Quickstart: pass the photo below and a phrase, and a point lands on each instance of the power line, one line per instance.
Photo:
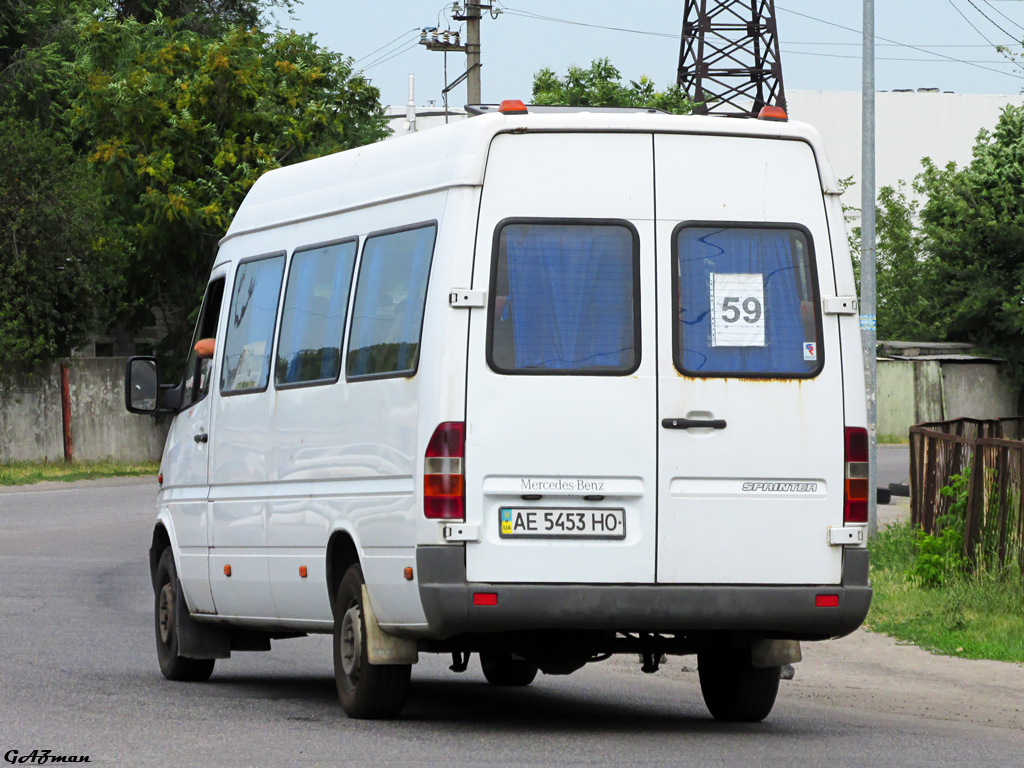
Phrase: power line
(885, 41)
(404, 34)
(971, 23)
(1008, 34)
(892, 58)
(891, 45)
(902, 45)
(539, 17)
(381, 60)
(989, 4)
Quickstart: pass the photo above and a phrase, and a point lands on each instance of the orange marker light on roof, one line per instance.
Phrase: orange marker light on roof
(512, 107)
(772, 113)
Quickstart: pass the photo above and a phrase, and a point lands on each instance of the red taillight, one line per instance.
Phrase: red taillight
(826, 601)
(444, 492)
(855, 496)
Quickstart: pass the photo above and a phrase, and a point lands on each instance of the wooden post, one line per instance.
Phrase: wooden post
(65, 402)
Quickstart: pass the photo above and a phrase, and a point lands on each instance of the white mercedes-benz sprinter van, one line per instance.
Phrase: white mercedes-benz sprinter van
(545, 385)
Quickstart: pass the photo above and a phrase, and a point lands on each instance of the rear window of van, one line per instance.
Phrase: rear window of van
(565, 298)
(746, 302)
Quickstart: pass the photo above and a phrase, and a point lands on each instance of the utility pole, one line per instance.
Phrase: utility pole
(867, 256)
(473, 64)
(449, 41)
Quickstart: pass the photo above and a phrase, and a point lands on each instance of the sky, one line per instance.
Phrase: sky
(954, 43)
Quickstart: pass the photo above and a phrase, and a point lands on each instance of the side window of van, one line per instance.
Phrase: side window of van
(746, 300)
(197, 369)
(565, 298)
(251, 318)
(313, 319)
(387, 316)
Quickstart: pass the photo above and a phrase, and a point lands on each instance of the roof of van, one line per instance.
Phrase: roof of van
(455, 155)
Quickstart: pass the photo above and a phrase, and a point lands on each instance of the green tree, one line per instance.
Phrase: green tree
(972, 237)
(951, 268)
(58, 259)
(37, 45)
(601, 86)
(182, 125)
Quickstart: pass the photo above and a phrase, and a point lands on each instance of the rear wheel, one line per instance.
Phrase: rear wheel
(367, 691)
(733, 689)
(173, 666)
(500, 668)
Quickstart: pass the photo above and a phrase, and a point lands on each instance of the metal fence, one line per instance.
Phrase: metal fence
(990, 454)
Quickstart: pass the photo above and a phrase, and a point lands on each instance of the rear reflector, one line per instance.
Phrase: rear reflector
(855, 494)
(444, 492)
(485, 598)
(826, 601)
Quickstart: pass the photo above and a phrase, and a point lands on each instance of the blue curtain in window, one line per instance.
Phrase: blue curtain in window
(768, 252)
(571, 295)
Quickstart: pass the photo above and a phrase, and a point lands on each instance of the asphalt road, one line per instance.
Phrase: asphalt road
(78, 676)
(893, 464)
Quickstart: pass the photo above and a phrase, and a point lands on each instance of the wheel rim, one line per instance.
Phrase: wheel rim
(165, 614)
(351, 642)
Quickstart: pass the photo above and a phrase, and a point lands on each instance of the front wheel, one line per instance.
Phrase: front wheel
(500, 668)
(733, 689)
(173, 666)
(367, 691)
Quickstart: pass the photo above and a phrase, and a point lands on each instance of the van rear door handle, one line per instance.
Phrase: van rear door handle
(693, 423)
(202, 437)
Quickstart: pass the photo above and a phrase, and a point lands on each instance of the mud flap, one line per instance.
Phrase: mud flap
(774, 653)
(382, 648)
(195, 640)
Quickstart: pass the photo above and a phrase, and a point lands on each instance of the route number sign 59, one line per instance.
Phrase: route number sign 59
(737, 306)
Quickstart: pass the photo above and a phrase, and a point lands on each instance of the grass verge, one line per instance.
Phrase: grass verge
(894, 439)
(28, 472)
(973, 616)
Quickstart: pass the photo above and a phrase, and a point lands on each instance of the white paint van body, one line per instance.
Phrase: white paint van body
(726, 525)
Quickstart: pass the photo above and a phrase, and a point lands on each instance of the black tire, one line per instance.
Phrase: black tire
(884, 496)
(733, 689)
(173, 666)
(366, 691)
(501, 669)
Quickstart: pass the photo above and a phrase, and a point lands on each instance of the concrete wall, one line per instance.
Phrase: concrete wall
(913, 391)
(977, 391)
(31, 427)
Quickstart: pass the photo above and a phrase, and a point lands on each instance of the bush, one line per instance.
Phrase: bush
(940, 557)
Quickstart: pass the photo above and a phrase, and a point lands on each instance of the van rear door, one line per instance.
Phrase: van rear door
(750, 398)
(561, 404)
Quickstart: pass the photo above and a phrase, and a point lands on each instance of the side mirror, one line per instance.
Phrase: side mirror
(141, 385)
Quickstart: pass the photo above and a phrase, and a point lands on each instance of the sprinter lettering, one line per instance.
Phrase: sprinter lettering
(776, 487)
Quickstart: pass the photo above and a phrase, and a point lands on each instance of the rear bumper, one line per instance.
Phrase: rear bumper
(779, 611)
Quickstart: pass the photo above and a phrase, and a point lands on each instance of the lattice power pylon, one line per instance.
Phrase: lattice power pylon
(729, 57)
